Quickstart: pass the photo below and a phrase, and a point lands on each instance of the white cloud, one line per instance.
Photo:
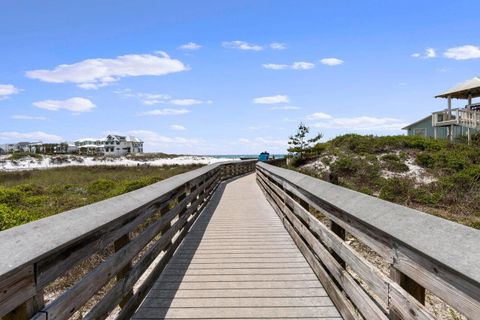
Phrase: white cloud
(190, 46)
(274, 66)
(32, 136)
(278, 46)
(355, 123)
(463, 53)
(7, 90)
(188, 102)
(145, 98)
(331, 61)
(25, 117)
(297, 65)
(165, 112)
(177, 127)
(428, 54)
(302, 65)
(158, 98)
(99, 72)
(75, 104)
(241, 45)
(319, 116)
(284, 108)
(272, 99)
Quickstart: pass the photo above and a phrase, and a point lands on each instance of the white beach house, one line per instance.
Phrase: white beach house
(116, 145)
(111, 145)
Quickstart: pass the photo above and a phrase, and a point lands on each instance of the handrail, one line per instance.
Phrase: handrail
(423, 251)
(139, 225)
(460, 116)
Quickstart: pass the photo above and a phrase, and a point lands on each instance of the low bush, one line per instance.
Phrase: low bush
(27, 196)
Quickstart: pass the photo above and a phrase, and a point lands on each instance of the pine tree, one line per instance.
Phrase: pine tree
(299, 143)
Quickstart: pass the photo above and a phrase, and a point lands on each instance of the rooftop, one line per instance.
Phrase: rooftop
(463, 90)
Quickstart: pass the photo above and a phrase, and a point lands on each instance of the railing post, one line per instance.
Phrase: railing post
(119, 244)
(410, 285)
(340, 232)
(27, 309)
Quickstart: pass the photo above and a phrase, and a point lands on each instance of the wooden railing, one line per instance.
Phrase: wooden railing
(463, 117)
(133, 232)
(422, 251)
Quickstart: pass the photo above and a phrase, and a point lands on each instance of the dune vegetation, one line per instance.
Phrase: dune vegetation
(434, 176)
(30, 195)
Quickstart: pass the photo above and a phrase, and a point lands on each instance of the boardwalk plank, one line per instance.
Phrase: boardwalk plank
(238, 262)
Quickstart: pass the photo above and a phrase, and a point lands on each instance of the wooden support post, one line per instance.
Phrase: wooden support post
(469, 137)
(339, 231)
(27, 309)
(435, 132)
(412, 287)
(119, 244)
(449, 114)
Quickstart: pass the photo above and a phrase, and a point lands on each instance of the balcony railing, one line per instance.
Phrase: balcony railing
(461, 117)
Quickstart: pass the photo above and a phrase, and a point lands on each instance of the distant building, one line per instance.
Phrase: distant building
(111, 145)
(90, 146)
(116, 145)
(452, 123)
(65, 147)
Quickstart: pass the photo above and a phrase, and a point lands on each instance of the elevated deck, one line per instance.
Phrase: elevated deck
(238, 261)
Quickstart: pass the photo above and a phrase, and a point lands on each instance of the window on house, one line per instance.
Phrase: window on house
(420, 132)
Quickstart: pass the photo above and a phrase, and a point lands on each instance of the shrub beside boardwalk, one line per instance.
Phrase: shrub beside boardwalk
(30, 195)
(434, 176)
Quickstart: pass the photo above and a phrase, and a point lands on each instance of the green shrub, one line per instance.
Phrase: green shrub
(390, 157)
(397, 190)
(423, 195)
(101, 186)
(345, 166)
(366, 190)
(451, 161)
(297, 162)
(425, 159)
(140, 183)
(10, 217)
(10, 196)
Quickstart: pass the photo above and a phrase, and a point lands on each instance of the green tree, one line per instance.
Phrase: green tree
(300, 144)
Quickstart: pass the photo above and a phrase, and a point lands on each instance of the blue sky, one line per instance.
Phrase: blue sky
(228, 77)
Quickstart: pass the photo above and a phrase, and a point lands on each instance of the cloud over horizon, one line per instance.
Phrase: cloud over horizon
(165, 112)
(100, 72)
(327, 121)
(272, 99)
(241, 45)
(190, 46)
(331, 61)
(465, 52)
(297, 65)
(15, 136)
(76, 104)
(7, 90)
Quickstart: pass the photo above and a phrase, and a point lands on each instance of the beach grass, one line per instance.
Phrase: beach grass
(30, 195)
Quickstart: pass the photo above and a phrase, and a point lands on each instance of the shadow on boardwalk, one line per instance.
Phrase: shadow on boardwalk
(166, 287)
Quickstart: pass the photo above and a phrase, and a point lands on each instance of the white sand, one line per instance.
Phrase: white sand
(47, 162)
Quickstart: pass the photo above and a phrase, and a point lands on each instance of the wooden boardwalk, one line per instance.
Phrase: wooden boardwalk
(238, 262)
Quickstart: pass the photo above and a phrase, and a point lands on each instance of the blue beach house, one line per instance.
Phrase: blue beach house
(452, 123)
